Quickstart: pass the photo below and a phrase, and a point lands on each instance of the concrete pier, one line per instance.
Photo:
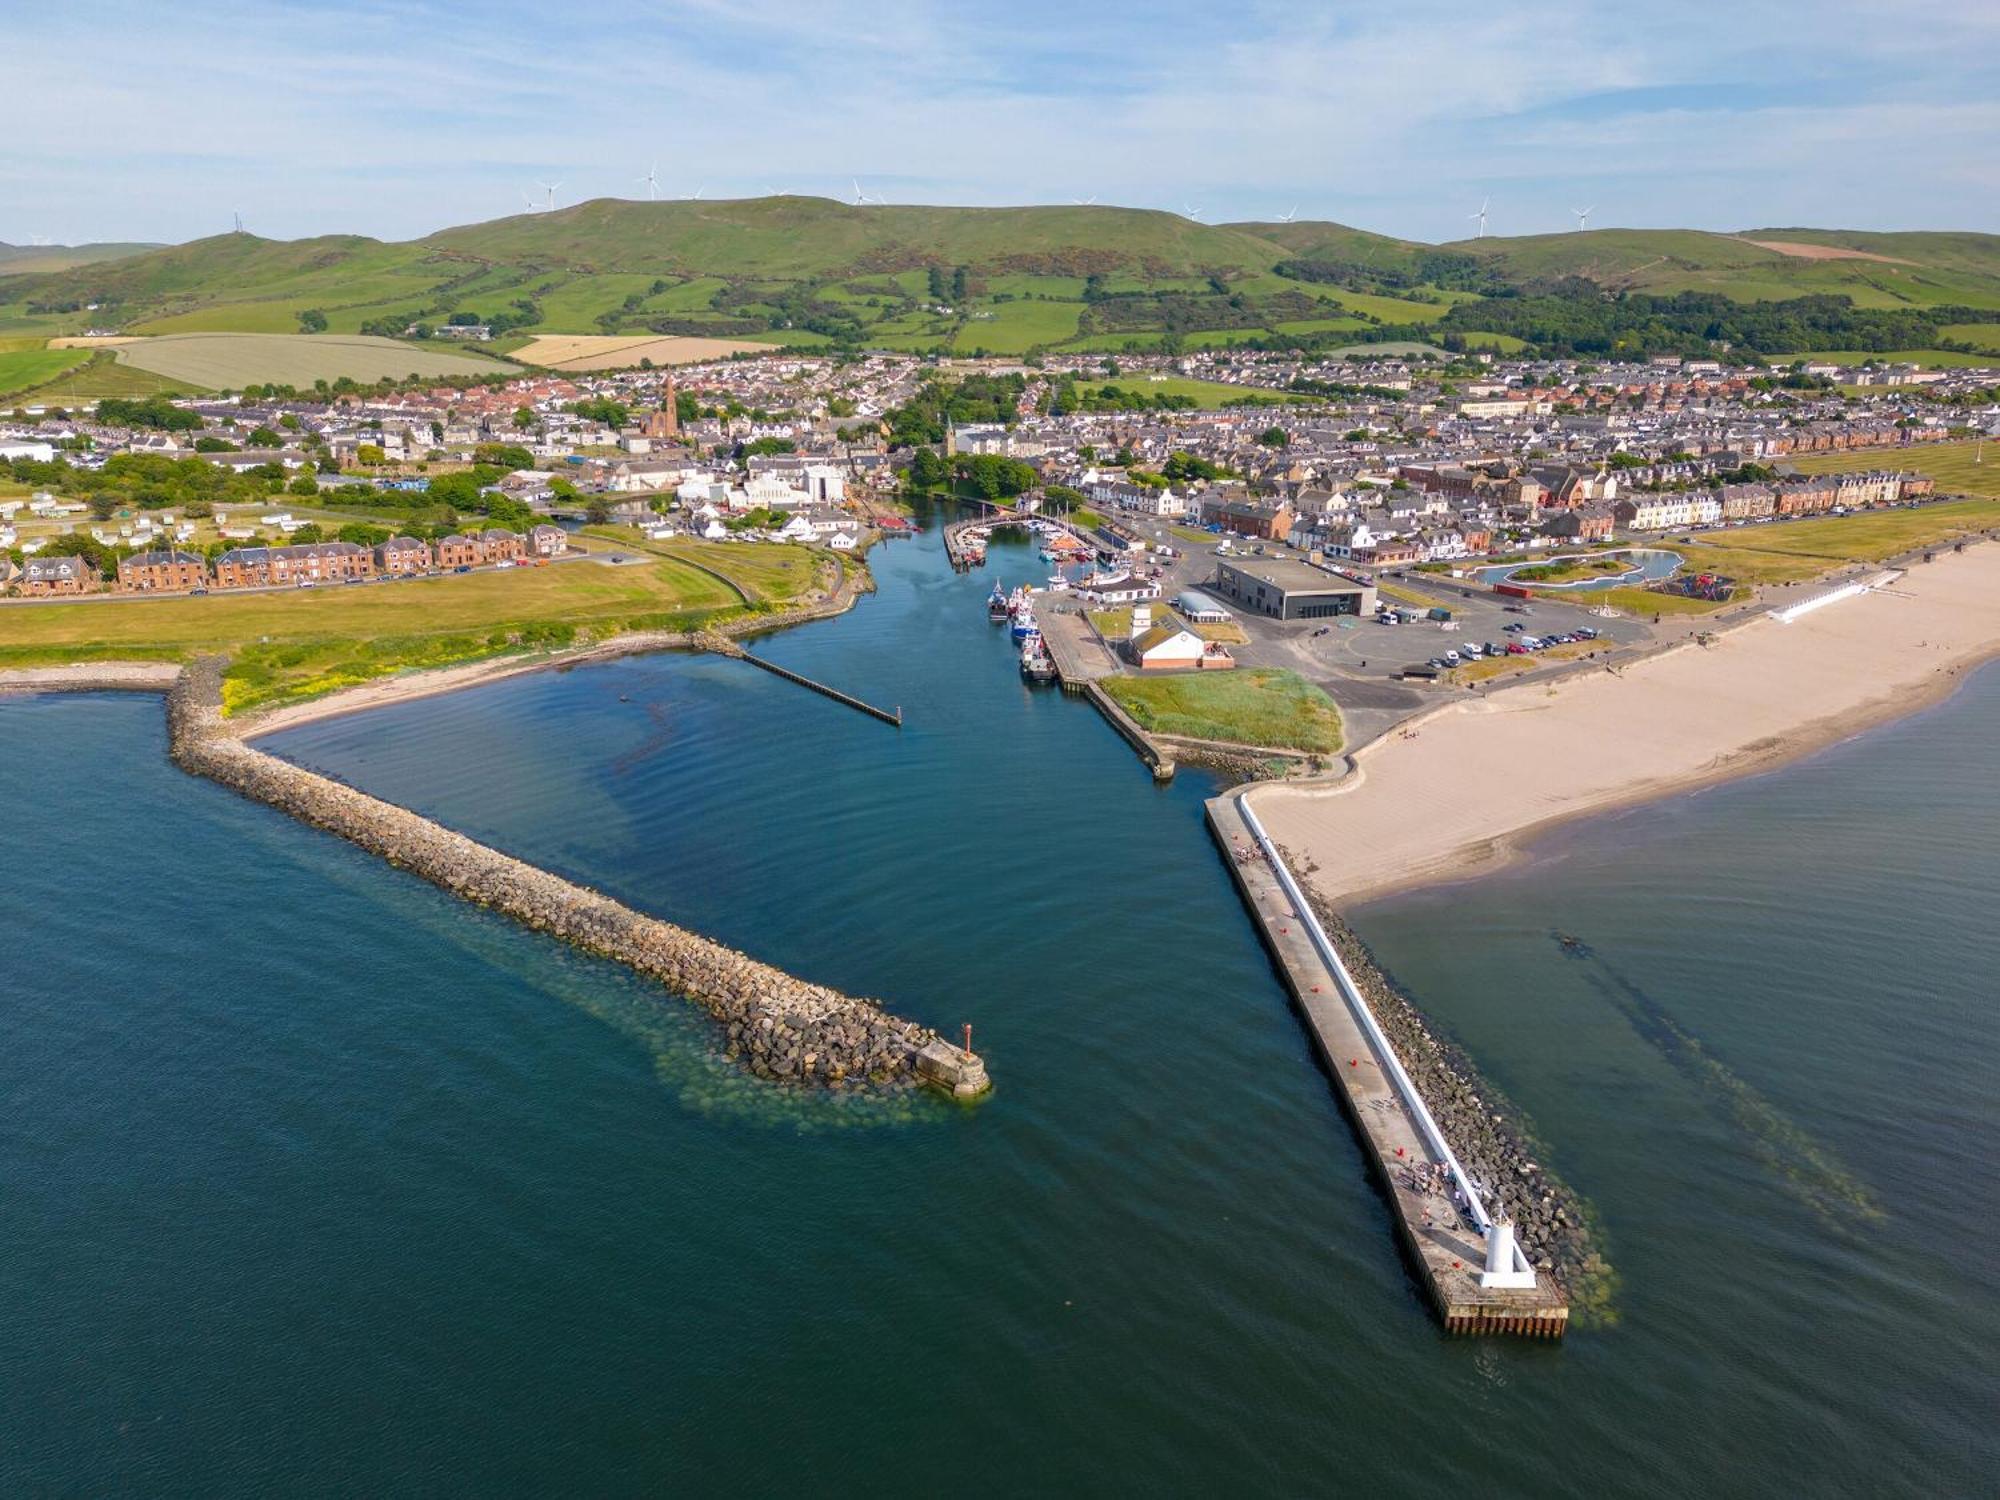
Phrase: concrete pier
(1449, 1248)
(722, 646)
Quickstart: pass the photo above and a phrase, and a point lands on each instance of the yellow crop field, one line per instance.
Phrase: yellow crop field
(597, 351)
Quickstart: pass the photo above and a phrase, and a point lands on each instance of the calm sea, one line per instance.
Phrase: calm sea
(316, 1181)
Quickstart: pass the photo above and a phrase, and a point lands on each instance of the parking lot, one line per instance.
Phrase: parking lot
(1360, 662)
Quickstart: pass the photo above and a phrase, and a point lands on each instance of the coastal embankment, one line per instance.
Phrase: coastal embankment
(1462, 788)
(855, 580)
(779, 1027)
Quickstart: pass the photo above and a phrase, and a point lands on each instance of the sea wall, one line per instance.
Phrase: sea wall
(1550, 1222)
(779, 1027)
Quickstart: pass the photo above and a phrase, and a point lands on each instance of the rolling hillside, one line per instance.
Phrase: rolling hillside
(31, 259)
(808, 271)
(1875, 270)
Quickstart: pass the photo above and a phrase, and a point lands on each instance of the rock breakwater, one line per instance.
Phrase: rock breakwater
(777, 1026)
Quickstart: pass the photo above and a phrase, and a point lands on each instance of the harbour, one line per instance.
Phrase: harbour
(489, 1171)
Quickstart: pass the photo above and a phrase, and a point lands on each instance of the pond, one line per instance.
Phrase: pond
(1646, 565)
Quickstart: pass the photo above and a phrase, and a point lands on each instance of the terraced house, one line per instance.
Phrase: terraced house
(169, 572)
(301, 564)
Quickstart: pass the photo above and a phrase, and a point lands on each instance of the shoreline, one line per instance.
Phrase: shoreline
(430, 682)
(1370, 831)
(433, 681)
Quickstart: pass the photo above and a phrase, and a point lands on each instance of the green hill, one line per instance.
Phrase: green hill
(1875, 270)
(29, 259)
(810, 271)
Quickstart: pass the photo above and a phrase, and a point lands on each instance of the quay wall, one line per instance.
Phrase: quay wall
(777, 1026)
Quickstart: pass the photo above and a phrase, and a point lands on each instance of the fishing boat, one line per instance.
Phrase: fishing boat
(996, 605)
(1025, 627)
(1036, 663)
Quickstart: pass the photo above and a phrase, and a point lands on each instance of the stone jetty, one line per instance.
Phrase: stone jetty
(777, 1026)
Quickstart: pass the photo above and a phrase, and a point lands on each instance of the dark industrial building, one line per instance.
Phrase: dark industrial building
(1289, 590)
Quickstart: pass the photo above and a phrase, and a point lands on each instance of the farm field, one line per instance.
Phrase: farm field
(584, 351)
(26, 363)
(304, 642)
(228, 361)
(1984, 335)
(1958, 468)
(1013, 327)
(1248, 706)
(101, 375)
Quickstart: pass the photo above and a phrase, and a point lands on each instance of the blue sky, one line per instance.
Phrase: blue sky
(155, 121)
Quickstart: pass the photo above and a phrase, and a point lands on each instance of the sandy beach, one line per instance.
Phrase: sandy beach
(1466, 786)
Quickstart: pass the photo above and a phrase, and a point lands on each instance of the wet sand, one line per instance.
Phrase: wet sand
(1466, 786)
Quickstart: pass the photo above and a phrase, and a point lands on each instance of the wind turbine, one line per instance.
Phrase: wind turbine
(652, 181)
(1084, 202)
(1190, 213)
(861, 197)
(239, 223)
(1484, 204)
(528, 198)
(1583, 217)
(697, 192)
(1290, 217)
(550, 188)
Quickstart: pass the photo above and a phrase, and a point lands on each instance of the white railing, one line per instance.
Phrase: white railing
(1427, 1125)
(1819, 601)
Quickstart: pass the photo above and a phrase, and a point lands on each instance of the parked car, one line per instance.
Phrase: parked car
(1515, 627)
(1515, 648)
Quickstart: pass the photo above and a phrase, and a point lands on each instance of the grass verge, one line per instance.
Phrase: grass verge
(1247, 706)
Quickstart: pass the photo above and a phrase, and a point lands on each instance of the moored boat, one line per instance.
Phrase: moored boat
(1036, 663)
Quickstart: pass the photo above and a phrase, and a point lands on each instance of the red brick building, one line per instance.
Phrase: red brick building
(402, 555)
(169, 572)
(57, 575)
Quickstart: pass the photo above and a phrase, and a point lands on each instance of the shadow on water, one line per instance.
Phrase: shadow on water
(1809, 1170)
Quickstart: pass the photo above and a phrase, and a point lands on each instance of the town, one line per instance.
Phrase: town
(1376, 464)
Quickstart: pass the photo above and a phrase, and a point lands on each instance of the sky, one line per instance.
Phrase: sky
(136, 120)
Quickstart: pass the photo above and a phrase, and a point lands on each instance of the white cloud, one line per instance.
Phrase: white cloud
(396, 118)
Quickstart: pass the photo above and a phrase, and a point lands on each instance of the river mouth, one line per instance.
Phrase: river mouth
(1649, 565)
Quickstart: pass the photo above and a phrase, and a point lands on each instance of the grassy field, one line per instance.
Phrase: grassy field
(27, 362)
(1982, 335)
(1013, 327)
(228, 361)
(1958, 468)
(1247, 706)
(1797, 551)
(305, 642)
(100, 375)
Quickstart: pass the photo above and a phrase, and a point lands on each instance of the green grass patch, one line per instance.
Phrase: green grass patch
(303, 642)
(1247, 706)
(101, 375)
(31, 364)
